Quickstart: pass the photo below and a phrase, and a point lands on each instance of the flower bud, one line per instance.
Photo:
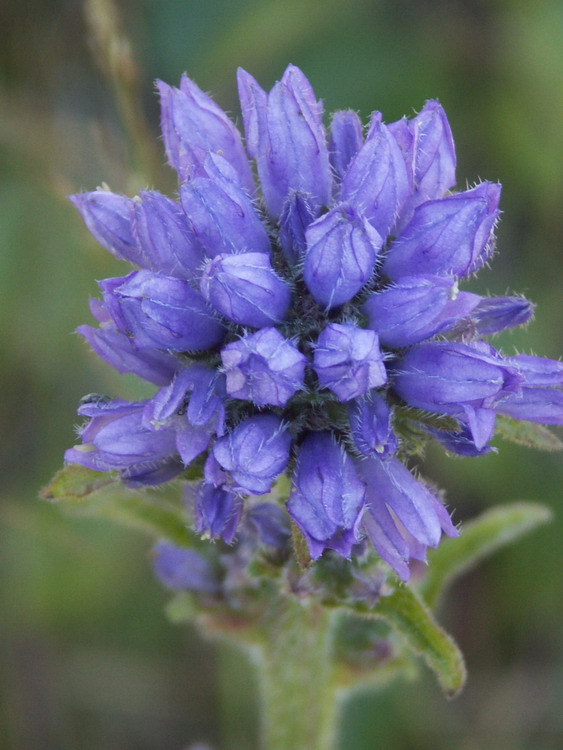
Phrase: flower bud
(295, 217)
(120, 352)
(494, 314)
(417, 308)
(451, 236)
(370, 426)
(116, 438)
(540, 405)
(108, 217)
(538, 371)
(285, 134)
(403, 517)
(428, 148)
(457, 379)
(193, 125)
(341, 251)
(541, 397)
(264, 368)
(245, 289)
(183, 569)
(327, 497)
(161, 231)
(220, 213)
(217, 513)
(348, 361)
(346, 139)
(161, 312)
(376, 182)
(255, 452)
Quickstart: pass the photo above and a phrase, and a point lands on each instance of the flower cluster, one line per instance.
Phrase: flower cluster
(307, 323)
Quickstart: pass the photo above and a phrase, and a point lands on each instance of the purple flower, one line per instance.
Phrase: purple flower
(403, 517)
(193, 125)
(370, 426)
(340, 256)
(108, 217)
(255, 452)
(295, 217)
(220, 213)
(376, 182)
(417, 308)
(327, 497)
(348, 361)
(263, 333)
(163, 235)
(496, 314)
(245, 289)
(346, 139)
(120, 352)
(450, 236)
(217, 512)
(184, 570)
(285, 134)
(428, 148)
(457, 379)
(263, 368)
(115, 438)
(541, 397)
(161, 312)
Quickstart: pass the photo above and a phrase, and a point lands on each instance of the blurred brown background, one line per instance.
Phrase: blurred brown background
(88, 659)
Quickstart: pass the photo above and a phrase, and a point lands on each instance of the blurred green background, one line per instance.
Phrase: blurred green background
(88, 660)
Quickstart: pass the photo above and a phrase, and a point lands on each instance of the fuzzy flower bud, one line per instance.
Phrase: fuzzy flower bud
(348, 361)
(370, 426)
(255, 452)
(108, 217)
(220, 213)
(450, 236)
(340, 257)
(193, 125)
(403, 517)
(285, 134)
(245, 289)
(217, 512)
(496, 314)
(296, 216)
(115, 438)
(264, 368)
(417, 308)
(162, 233)
(327, 498)
(376, 182)
(161, 312)
(457, 379)
(346, 139)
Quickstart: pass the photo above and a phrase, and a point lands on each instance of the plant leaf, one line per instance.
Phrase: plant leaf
(102, 494)
(75, 483)
(493, 530)
(528, 433)
(408, 615)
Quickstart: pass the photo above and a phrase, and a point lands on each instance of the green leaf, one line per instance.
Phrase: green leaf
(102, 494)
(527, 433)
(76, 483)
(145, 514)
(408, 615)
(480, 538)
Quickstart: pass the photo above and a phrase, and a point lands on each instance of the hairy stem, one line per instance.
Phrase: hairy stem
(297, 689)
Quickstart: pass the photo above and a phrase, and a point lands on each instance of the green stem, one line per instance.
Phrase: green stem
(296, 680)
